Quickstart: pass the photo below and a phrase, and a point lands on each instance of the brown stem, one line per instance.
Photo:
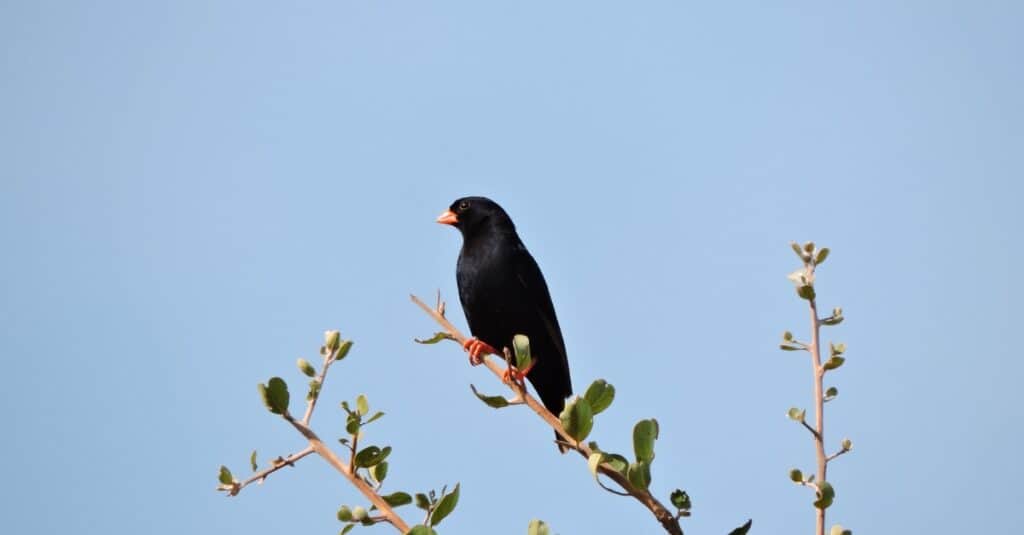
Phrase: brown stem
(386, 512)
(819, 401)
(328, 359)
(668, 521)
(262, 475)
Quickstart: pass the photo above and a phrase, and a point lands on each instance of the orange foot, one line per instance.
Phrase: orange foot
(512, 373)
(477, 349)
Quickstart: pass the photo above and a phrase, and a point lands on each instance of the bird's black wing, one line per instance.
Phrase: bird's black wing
(536, 294)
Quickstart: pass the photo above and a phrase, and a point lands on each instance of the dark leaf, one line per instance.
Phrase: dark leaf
(681, 500)
(372, 455)
(600, 395)
(225, 476)
(252, 461)
(496, 402)
(275, 395)
(826, 494)
(445, 506)
(343, 350)
(345, 514)
(577, 418)
(435, 339)
(397, 499)
(639, 474)
(644, 434)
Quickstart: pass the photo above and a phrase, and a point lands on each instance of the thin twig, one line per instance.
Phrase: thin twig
(836, 454)
(328, 359)
(814, 432)
(262, 475)
(819, 400)
(668, 521)
(387, 513)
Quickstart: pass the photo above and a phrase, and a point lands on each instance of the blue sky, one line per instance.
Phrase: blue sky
(191, 192)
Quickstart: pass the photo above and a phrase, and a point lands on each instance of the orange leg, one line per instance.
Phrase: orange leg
(513, 373)
(477, 349)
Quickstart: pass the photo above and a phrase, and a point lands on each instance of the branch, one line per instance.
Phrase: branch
(317, 445)
(260, 476)
(668, 521)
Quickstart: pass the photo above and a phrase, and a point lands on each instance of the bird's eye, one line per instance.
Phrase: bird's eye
(463, 205)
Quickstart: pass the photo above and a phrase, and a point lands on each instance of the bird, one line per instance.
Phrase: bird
(503, 293)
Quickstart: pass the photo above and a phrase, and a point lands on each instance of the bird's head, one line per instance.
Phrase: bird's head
(472, 214)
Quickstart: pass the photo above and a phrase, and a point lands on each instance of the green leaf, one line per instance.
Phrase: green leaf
(834, 362)
(742, 530)
(846, 444)
(826, 494)
(681, 500)
(796, 414)
(252, 461)
(796, 476)
(422, 501)
(831, 393)
(275, 395)
(639, 474)
(600, 395)
(809, 247)
(352, 424)
(445, 506)
(359, 513)
(379, 471)
(344, 514)
(538, 527)
(347, 529)
(617, 462)
(376, 416)
(821, 256)
(645, 432)
(372, 455)
(806, 292)
(421, 530)
(435, 339)
(839, 530)
(397, 499)
(786, 347)
(331, 339)
(521, 344)
(796, 249)
(225, 476)
(496, 402)
(305, 367)
(343, 350)
(577, 418)
(838, 349)
(362, 406)
(787, 336)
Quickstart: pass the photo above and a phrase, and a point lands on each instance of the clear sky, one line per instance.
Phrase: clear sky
(192, 192)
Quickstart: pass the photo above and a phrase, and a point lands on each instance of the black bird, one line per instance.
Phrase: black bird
(503, 293)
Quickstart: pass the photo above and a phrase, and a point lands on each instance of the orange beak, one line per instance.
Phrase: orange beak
(448, 218)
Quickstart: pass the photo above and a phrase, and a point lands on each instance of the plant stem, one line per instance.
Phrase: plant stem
(819, 403)
(328, 455)
(668, 521)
